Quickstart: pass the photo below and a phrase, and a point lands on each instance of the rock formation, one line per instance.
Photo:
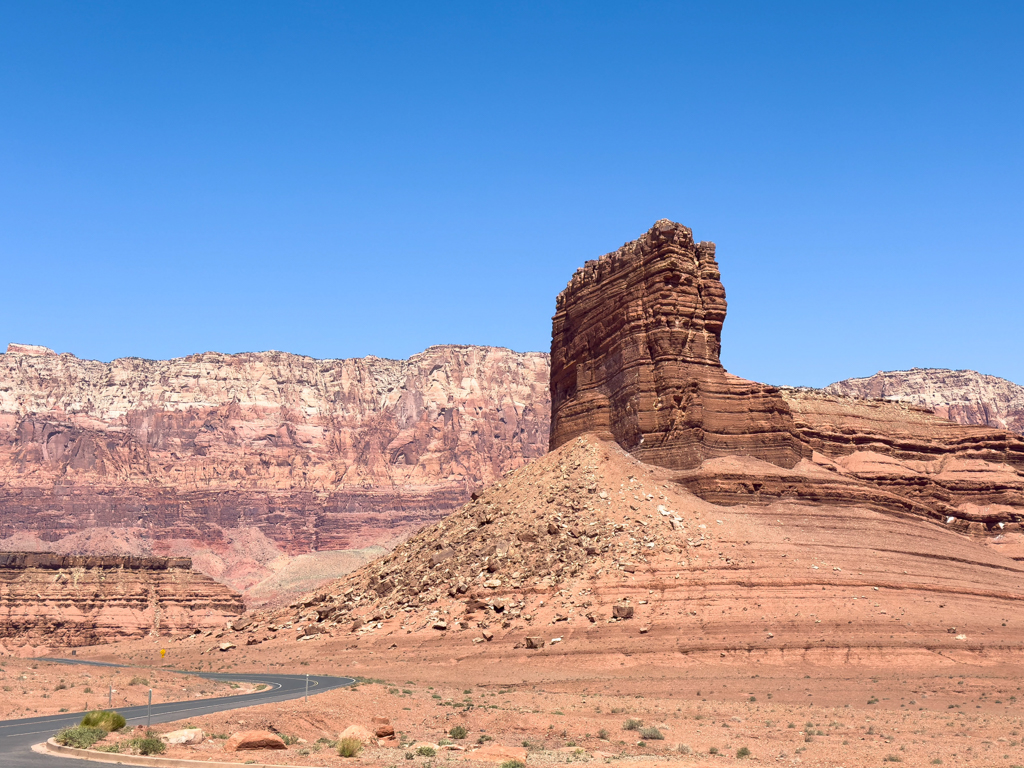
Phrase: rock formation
(966, 397)
(635, 347)
(306, 455)
(56, 600)
(635, 358)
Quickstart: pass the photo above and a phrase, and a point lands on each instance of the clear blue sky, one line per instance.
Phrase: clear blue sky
(341, 179)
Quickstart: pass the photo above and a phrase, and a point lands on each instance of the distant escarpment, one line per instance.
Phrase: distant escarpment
(56, 600)
(246, 460)
(966, 397)
(635, 358)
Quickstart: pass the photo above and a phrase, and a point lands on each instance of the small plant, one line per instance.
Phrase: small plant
(289, 740)
(60, 686)
(652, 734)
(426, 751)
(101, 718)
(458, 732)
(513, 764)
(743, 752)
(632, 725)
(937, 761)
(260, 686)
(138, 681)
(349, 747)
(409, 756)
(149, 744)
(87, 689)
(603, 734)
(712, 750)
(892, 759)
(484, 739)
(684, 749)
(80, 736)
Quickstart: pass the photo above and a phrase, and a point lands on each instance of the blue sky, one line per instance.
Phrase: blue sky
(372, 178)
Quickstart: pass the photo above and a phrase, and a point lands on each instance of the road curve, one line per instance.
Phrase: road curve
(18, 736)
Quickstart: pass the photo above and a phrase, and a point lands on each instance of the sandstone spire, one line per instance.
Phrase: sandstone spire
(635, 357)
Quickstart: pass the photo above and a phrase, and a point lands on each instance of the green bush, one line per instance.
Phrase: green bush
(632, 725)
(80, 736)
(101, 718)
(652, 733)
(149, 744)
(458, 732)
(289, 740)
(513, 764)
(349, 747)
(138, 681)
(425, 751)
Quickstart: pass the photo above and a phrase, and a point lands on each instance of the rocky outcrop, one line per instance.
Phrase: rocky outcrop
(60, 600)
(635, 348)
(635, 358)
(966, 397)
(313, 455)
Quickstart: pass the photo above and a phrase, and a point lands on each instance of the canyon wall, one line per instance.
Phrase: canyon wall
(56, 600)
(283, 453)
(966, 397)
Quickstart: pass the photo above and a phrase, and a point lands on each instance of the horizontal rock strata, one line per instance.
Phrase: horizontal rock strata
(635, 358)
(56, 600)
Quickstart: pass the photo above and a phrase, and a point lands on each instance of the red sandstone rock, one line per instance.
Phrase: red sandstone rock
(635, 357)
(253, 740)
(68, 600)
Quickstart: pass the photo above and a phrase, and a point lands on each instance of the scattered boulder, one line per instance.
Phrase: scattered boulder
(253, 740)
(622, 611)
(226, 646)
(183, 736)
(440, 557)
(357, 732)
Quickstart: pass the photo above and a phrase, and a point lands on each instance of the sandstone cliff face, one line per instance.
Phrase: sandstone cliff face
(66, 600)
(312, 454)
(966, 397)
(635, 358)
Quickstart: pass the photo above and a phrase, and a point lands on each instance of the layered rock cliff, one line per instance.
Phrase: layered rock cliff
(635, 358)
(635, 348)
(966, 397)
(60, 600)
(307, 455)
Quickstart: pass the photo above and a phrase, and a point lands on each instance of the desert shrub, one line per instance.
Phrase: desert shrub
(652, 733)
(101, 718)
(260, 686)
(484, 739)
(87, 689)
(349, 747)
(149, 744)
(685, 749)
(632, 725)
(713, 750)
(138, 681)
(603, 734)
(892, 759)
(289, 740)
(425, 751)
(80, 736)
(61, 686)
(743, 752)
(513, 764)
(114, 748)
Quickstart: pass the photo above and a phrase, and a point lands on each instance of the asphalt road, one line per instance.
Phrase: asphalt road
(18, 736)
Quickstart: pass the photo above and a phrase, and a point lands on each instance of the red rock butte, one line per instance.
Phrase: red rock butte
(635, 350)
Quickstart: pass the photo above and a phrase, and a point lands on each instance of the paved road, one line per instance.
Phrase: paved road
(18, 736)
